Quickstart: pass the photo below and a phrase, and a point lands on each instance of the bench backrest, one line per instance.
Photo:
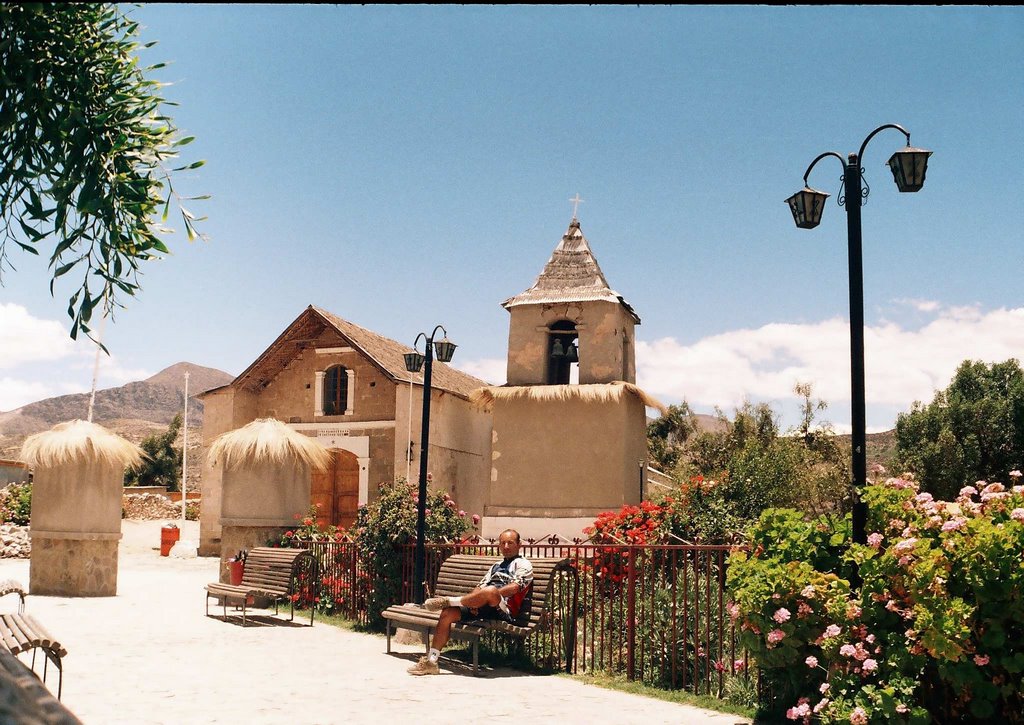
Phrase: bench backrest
(460, 573)
(272, 570)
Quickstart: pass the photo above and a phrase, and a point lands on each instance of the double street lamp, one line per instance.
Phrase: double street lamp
(908, 167)
(444, 349)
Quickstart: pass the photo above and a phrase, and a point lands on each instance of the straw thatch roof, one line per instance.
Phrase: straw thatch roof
(267, 439)
(316, 328)
(484, 398)
(571, 275)
(79, 440)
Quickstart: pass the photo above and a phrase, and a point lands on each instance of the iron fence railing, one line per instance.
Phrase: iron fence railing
(657, 614)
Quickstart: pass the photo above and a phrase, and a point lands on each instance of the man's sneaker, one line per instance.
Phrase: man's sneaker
(425, 667)
(436, 604)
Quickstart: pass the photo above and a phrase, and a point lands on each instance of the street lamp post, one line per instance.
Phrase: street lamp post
(414, 361)
(908, 167)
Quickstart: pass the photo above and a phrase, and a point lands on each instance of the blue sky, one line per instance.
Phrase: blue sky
(409, 166)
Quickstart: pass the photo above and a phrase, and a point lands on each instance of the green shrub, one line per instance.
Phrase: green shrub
(386, 525)
(936, 630)
(16, 504)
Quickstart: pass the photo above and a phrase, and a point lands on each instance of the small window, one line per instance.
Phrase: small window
(335, 390)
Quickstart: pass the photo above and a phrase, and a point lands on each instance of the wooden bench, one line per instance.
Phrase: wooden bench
(24, 699)
(277, 575)
(459, 574)
(20, 633)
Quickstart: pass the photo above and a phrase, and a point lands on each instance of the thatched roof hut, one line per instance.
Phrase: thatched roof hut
(484, 398)
(267, 440)
(79, 440)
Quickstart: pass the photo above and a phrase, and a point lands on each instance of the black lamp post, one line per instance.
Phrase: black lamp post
(908, 167)
(444, 350)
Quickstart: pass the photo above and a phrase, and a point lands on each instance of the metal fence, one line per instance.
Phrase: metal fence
(657, 614)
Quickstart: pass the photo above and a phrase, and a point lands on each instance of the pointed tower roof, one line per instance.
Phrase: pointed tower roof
(571, 275)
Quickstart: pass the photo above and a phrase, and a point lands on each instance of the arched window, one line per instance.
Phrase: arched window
(562, 352)
(335, 400)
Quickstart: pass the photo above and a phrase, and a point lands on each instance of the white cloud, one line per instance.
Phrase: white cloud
(28, 339)
(15, 393)
(901, 365)
(42, 361)
(491, 370)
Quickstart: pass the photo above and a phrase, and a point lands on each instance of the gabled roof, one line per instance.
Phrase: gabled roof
(385, 353)
(571, 275)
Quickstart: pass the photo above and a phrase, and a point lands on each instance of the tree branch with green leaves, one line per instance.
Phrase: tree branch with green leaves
(84, 151)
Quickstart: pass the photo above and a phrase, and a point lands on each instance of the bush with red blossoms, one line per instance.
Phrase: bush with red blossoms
(935, 632)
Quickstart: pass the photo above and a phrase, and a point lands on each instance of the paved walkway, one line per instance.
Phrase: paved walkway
(149, 655)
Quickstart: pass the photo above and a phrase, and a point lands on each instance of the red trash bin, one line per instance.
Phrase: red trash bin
(236, 568)
(168, 536)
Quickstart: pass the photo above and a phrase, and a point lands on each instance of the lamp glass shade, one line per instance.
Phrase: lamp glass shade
(572, 354)
(444, 350)
(413, 362)
(807, 206)
(908, 168)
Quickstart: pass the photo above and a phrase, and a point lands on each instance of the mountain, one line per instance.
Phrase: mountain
(134, 410)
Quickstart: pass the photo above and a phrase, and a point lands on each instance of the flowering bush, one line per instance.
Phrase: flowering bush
(309, 530)
(936, 630)
(389, 523)
(16, 504)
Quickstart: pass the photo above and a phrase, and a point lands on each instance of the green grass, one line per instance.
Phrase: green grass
(620, 683)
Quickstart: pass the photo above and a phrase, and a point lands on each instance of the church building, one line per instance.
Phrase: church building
(563, 440)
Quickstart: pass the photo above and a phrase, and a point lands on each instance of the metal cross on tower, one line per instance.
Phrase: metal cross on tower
(575, 204)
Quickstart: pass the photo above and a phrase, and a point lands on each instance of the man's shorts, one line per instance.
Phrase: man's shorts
(484, 612)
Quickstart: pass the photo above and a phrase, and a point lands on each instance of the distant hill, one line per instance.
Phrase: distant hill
(135, 410)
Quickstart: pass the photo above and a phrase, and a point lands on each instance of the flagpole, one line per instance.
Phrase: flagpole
(184, 456)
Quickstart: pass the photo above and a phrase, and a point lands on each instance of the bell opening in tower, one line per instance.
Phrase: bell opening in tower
(563, 353)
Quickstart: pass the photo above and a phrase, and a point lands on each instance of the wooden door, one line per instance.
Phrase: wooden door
(336, 490)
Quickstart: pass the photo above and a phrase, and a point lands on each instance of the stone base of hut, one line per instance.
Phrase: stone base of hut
(71, 567)
(235, 538)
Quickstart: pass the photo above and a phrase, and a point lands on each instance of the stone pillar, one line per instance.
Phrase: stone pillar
(76, 528)
(260, 501)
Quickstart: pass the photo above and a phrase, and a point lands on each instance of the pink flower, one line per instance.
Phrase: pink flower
(821, 705)
(968, 491)
(782, 615)
(853, 611)
(981, 660)
(831, 630)
(1015, 474)
(825, 687)
(901, 709)
(905, 546)
(803, 610)
(807, 591)
(775, 636)
(476, 518)
(994, 488)
(847, 650)
(954, 524)
(869, 665)
(1017, 515)
(811, 661)
(461, 512)
(859, 716)
(802, 710)
(875, 540)
(739, 665)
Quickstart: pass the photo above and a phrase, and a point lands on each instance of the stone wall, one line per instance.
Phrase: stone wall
(73, 567)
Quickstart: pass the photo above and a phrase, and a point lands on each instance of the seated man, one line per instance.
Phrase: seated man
(500, 595)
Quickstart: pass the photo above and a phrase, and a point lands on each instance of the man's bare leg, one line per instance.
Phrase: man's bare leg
(479, 597)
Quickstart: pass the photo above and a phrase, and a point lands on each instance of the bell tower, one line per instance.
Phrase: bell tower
(568, 433)
(570, 326)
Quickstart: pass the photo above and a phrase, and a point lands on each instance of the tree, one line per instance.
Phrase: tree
(973, 430)
(667, 436)
(753, 464)
(162, 464)
(83, 144)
